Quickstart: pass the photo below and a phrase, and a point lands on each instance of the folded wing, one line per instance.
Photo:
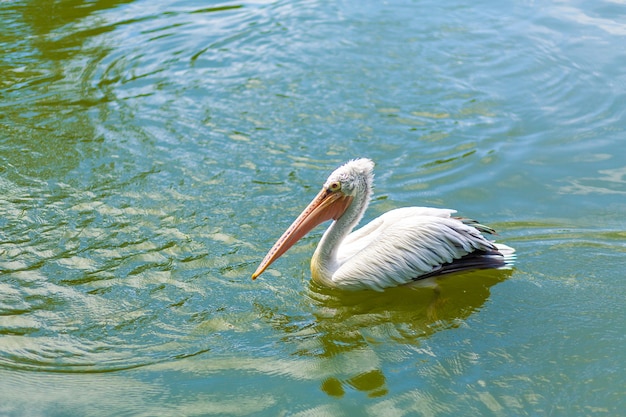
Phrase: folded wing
(413, 243)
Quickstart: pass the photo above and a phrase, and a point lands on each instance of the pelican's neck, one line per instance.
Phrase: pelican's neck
(324, 262)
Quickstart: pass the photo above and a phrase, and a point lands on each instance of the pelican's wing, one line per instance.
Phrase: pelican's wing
(404, 245)
(361, 238)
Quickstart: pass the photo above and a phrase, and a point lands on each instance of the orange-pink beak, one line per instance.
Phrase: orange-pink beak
(326, 206)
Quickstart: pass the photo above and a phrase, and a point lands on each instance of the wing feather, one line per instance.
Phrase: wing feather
(403, 245)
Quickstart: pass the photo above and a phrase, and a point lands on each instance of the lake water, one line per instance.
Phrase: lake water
(151, 152)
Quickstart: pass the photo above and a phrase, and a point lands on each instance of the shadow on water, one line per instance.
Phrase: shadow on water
(350, 329)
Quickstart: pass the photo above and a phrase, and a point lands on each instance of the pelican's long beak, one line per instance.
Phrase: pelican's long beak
(327, 205)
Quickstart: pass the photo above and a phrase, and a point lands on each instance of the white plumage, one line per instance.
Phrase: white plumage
(397, 248)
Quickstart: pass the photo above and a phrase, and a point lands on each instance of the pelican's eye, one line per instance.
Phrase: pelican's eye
(334, 186)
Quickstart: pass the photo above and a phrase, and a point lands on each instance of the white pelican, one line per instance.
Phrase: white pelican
(401, 246)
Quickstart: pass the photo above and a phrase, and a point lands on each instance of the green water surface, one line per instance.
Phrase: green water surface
(151, 152)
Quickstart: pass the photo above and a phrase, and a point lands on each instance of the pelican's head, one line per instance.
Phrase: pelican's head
(352, 178)
(349, 180)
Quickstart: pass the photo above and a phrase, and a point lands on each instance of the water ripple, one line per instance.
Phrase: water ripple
(90, 291)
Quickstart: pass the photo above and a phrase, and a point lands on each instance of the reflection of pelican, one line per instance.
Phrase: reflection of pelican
(399, 247)
(352, 335)
(357, 326)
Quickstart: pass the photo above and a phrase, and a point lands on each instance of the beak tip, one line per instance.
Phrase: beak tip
(256, 274)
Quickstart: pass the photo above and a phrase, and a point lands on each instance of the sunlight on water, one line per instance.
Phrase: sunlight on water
(152, 152)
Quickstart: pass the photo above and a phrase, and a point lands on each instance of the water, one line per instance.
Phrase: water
(151, 152)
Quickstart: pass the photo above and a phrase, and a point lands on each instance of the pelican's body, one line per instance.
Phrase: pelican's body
(397, 248)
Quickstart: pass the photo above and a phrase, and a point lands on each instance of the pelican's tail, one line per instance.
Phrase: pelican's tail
(508, 253)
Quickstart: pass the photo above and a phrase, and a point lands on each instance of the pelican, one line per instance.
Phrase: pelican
(400, 247)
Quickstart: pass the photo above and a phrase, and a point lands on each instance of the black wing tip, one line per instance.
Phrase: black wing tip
(477, 225)
(500, 257)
